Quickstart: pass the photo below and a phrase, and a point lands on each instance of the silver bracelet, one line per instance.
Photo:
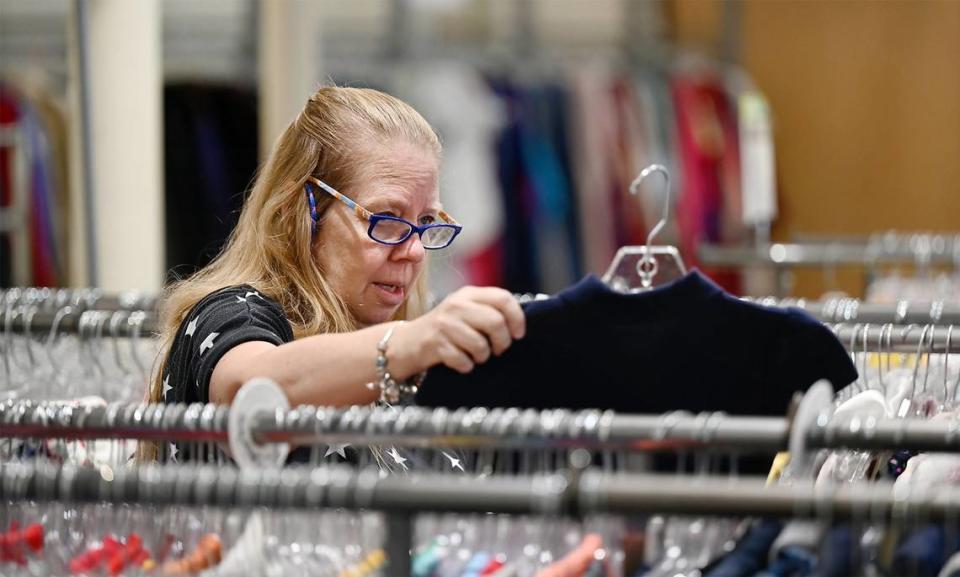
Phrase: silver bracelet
(391, 390)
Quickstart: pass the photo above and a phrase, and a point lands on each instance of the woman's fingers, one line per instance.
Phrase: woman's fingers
(491, 323)
(504, 302)
(455, 358)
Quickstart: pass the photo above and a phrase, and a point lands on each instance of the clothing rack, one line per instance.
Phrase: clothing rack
(838, 253)
(468, 428)
(82, 298)
(574, 494)
(132, 314)
(75, 320)
(851, 310)
(866, 337)
(856, 333)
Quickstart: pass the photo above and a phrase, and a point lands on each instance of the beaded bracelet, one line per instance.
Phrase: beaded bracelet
(392, 390)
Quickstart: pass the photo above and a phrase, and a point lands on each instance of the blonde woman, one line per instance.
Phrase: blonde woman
(325, 265)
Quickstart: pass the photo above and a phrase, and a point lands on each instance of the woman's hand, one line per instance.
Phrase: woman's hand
(461, 332)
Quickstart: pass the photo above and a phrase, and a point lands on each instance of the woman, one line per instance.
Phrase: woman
(325, 264)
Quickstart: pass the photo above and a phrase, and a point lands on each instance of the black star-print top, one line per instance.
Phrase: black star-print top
(216, 324)
(219, 322)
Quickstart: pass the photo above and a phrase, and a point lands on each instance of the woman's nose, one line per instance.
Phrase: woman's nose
(411, 249)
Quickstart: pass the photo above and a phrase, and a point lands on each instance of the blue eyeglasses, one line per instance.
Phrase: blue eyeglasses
(387, 229)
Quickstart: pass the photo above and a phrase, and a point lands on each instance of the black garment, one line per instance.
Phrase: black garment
(210, 158)
(684, 346)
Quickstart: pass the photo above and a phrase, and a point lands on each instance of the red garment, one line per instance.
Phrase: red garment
(483, 267)
(492, 567)
(707, 152)
(8, 116)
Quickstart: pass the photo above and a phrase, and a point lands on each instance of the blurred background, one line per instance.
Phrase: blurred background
(813, 146)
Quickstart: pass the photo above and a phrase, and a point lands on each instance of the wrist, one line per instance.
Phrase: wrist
(402, 354)
(393, 381)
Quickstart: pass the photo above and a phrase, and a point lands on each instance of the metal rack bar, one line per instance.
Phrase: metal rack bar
(901, 338)
(822, 255)
(550, 494)
(849, 310)
(82, 298)
(476, 428)
(75, 320)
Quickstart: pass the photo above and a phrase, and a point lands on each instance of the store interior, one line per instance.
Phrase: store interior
(793, 163)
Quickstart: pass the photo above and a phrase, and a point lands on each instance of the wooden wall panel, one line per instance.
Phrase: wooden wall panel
(866, 103)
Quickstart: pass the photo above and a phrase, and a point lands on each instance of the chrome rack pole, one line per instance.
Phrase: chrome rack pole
(795, 255)
(850, 310)
(906, 339)
(474, 428)
(595, 492)
(70, 320)
(47, 298)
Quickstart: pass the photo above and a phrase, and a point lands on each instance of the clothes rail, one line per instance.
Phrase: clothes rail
(77, 319)
(898, 338)
(82, 298)
(868, 337)
(71, 319)
(826, 254)
(572, 493)
(473, 428)
(852, 310)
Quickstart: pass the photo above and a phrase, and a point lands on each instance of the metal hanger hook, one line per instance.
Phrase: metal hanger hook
(634, 188)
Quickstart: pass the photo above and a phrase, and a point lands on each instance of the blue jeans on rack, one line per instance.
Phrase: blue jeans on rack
(750, 555)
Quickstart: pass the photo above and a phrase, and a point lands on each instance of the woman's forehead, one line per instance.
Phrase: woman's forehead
(398, 195)
(400, 184)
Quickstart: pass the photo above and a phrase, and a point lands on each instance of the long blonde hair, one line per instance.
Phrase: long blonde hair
(270, 248)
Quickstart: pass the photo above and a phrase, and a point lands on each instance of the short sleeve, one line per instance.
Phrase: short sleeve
(809, 351)
(219, 322)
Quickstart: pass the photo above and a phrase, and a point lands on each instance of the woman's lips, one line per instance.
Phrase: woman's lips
(391, 294)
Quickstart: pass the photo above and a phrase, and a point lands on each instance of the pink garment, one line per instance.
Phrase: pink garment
(593, 149)
(576, 562)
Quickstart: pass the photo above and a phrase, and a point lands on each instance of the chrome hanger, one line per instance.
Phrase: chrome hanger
(640, 275)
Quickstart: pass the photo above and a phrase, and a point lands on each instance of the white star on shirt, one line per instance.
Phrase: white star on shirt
(338, 449)
(208, 342)
(241, 299)
(166, 387)
(192, 327)
(173, 452)
(454, 462)
(248, 295)
(395, 455)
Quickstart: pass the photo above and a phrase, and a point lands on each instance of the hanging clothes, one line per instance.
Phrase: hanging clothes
(34, 140)
(708, 208)
(684, 346)
(457, 102)
(210, 157)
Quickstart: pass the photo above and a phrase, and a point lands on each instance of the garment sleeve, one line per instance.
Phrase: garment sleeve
(808, 352)
(218, 323)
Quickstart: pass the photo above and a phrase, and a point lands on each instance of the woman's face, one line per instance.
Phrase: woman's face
(374, 279)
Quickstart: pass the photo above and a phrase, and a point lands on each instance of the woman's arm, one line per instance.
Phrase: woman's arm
(333, 369)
